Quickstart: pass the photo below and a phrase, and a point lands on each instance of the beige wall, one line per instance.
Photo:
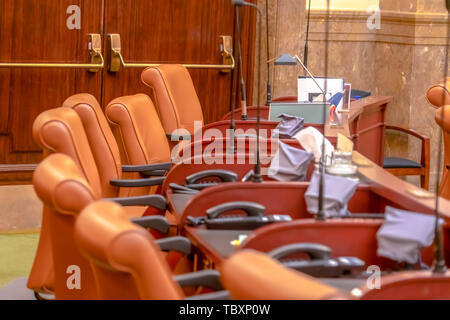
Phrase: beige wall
(402, 59)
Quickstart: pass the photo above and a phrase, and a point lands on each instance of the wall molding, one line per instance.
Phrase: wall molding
(404, 28)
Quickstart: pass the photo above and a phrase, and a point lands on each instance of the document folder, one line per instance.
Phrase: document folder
(312, 112)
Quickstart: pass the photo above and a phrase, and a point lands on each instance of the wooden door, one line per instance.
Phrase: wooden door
(177, 31)
(171, 31)
(38, 31)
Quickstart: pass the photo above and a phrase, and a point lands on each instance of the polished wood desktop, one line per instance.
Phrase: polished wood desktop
(215, 245)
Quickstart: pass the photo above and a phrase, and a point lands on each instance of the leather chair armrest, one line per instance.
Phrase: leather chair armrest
(178, 244)
(155, 200)
(158, 223)
(178, 137)
(205, 278)
(217, 295)
(135, 183)
(148, 169)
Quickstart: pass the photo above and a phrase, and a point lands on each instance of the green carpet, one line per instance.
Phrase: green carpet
(16, 255)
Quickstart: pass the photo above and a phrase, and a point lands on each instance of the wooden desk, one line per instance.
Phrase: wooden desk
(215, 245)
(388, 190)
(366, 120)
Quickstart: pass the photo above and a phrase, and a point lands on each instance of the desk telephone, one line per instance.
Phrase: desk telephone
(199, 181)
(320, 263)
(255, 217)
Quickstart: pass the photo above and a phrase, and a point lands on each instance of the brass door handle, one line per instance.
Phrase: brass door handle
(95, 50)
(116, 60)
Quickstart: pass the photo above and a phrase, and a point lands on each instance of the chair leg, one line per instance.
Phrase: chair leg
(425, 181)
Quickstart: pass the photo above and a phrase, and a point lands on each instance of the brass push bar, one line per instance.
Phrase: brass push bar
(95, 50)
(116, 60)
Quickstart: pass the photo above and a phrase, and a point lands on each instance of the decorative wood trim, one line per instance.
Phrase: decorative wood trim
(17, 167)
(407, 28)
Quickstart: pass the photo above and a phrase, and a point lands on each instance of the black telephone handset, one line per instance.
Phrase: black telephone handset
(194, 181)
(176, 188)
(252, 209)
(254, 218)
(313, 250)
(320, 264)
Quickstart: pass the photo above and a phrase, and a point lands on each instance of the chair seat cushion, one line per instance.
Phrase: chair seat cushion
(393, 163)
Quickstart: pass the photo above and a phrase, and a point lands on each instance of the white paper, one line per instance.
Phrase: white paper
(308, 89)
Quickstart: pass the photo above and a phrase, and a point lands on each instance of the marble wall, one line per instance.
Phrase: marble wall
(401, 59)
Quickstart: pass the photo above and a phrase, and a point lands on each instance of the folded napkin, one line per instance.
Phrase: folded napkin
(288, 126)
(337, 193)
(289, 163)
(311, 140)
(404, 234)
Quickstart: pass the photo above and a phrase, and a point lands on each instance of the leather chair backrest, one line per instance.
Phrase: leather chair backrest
(174, 95)
(127, 262)
(64, 192)
(138, 131)
(60, 130)
(439, 94)
(250, 275)
(442, 118)
(101, 139)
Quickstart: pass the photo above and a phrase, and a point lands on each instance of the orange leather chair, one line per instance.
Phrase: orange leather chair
(250, 275)
(127, 263)
(138, 130)
(175, 97)
(439, 97)
(61, 131)
(108, 157)
(439, 94)
(442, 118)
(60, 185)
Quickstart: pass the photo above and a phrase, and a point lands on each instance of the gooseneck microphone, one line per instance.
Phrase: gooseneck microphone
(241, 3)
(269, 86)
(256, 177)
(241, 67)
(305, 53)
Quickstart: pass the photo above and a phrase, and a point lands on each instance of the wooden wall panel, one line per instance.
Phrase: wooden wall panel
(36, 31)
(175, 31)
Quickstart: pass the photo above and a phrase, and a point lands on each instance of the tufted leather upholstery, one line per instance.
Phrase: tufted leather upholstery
(174, 95)
(138, 130)
(127, 263)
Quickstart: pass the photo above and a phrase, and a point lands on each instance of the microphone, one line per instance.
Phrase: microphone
(305, 53)
(269, 86)
(256, 177)
(241, 3)
(241, 68)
